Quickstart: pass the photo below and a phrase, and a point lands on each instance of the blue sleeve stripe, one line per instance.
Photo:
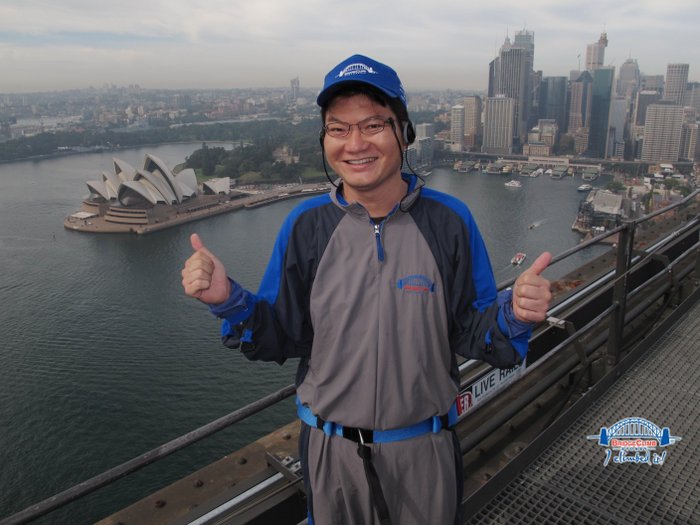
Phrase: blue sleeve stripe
(521, 341)
(270, 284)
(482, 274)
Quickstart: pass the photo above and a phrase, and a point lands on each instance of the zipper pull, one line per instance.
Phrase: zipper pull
(378, 238)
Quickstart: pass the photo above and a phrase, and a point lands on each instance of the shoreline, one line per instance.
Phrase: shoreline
(142, 222)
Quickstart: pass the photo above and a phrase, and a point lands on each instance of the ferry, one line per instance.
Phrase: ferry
(518, 259)
(513, 184)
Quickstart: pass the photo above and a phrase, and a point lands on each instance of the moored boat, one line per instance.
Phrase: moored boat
(518, 259)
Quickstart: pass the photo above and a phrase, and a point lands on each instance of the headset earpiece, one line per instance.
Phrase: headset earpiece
(321, 135)
(409, 134)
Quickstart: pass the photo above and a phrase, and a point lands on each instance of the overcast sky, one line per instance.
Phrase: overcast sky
(62, 44)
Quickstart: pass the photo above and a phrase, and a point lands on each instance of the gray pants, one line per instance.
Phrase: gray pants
(421, 479)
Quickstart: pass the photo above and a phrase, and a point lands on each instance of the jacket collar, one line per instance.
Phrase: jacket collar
(412, 193)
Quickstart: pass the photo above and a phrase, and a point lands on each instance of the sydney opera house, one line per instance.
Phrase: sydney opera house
(129, 198)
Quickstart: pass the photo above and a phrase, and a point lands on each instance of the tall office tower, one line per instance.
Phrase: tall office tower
(425, 130)
(692, 96)
(552, 103)
(294, 89)
(662, 132)
(498, 125)
(580, 102)
(689, 142)
(644, 99)
(628, 79)
(676, 82)
(507, 77)
(616, 128)
(595, 53)
(600, 110)
(526, 40)
(472, 121)
(457, 127)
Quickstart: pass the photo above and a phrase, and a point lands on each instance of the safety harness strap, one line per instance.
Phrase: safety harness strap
(364, 437)
(376, 494)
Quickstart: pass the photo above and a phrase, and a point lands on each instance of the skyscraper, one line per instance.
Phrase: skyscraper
(526, 40)
(552, 103)
(644, 99)
(580, 102)
(628, 80)
(662, 132)
(595, 53)
(616, 128)
(676, 82)
(507, 74)
(294, 89)
(457, 127)
(498, 125)
(600, 111)
(472, 121)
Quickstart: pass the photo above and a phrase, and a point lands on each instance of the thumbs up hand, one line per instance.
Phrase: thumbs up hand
(204, 276)
(531, 293)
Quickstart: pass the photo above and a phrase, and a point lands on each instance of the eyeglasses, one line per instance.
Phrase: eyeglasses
(368, 126)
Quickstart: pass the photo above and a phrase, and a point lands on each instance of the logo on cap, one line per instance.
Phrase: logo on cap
(356, 69)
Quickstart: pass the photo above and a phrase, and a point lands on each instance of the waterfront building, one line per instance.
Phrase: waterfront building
(507, 76)
(552, 104)
(580, 102)
(457, 127)
(676, 82)
(595, 53)
(153, 184)
(537, 149)
(662, 132)
(472, 122)
(600, 111)
(498, 125)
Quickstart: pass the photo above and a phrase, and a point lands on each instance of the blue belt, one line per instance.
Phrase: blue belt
(360, 435)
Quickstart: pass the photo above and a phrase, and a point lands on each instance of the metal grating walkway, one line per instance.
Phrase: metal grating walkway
(568, 482)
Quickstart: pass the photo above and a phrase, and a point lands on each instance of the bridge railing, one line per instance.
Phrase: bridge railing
(624, 266)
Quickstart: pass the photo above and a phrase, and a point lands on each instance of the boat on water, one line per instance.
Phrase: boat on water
(584, 187)
(537, 172)
(513, 184)
(518, 259)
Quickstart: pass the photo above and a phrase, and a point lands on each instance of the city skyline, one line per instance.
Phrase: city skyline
(219, 44)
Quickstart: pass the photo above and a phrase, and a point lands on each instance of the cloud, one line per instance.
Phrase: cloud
(218, 43)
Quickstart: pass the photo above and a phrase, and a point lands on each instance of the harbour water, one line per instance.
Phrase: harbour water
(102, 357)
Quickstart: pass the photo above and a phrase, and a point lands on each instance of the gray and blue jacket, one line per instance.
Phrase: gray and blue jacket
(377, 312)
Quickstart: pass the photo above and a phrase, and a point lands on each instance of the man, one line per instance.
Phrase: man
(375, 287)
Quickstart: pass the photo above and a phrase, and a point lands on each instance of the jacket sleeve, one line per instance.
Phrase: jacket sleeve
(480, 320)
(275, 323)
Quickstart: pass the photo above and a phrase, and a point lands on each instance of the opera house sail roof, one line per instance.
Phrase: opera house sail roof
(153, 184)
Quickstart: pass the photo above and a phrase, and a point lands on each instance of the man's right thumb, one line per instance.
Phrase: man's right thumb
(196, 242)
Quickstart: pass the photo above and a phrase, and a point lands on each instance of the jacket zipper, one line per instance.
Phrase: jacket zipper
(378, 238)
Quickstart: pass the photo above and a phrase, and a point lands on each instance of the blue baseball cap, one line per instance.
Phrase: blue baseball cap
(362, 69)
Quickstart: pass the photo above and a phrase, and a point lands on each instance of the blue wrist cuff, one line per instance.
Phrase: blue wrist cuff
(507, 321)
(235, 304)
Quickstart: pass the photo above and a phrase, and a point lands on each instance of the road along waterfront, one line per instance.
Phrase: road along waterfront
(102, 357)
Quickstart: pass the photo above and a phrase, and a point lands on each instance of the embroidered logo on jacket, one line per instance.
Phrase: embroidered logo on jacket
(416, 284)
